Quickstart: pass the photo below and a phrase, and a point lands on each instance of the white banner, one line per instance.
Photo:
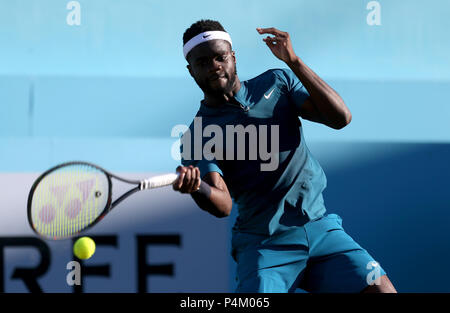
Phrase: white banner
(154, 241)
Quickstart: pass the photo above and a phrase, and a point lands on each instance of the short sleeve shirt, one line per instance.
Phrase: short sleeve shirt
(258, 147)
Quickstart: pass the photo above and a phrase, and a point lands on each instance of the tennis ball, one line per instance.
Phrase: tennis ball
(84, 248)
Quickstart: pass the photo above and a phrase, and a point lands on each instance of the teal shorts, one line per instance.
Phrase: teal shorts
(317, 257)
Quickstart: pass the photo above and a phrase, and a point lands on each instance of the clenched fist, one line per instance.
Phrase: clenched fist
(188, 180)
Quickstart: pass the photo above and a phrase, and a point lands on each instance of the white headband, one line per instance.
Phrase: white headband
(205, 36)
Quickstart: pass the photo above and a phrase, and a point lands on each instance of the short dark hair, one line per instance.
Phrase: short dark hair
(200, 27)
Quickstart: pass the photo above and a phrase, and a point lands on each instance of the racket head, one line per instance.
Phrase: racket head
(68, 199)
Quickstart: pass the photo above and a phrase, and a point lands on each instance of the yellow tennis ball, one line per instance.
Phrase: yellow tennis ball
(84, 248)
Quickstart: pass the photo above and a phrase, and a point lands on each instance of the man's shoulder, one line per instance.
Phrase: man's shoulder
(278, 74)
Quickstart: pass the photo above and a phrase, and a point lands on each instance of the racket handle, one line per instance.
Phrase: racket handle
(158, 181)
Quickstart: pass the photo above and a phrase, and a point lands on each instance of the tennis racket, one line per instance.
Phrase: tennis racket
(72, 197)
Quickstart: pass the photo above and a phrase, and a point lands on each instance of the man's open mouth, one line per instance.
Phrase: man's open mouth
(216, 77)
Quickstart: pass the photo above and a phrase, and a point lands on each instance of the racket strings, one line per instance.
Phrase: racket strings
(68, 200)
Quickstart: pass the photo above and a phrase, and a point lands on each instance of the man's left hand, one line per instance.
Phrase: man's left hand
(280, 44)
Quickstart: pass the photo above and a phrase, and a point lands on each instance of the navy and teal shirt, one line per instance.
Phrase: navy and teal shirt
(268, 202)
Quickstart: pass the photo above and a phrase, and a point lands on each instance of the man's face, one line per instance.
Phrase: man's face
(212, 64)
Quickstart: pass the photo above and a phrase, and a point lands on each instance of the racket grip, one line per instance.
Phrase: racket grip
(158, 181)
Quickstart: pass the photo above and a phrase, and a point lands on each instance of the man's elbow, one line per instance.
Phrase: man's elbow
(222, 215)
(226, 211)
(342, 122)
(221, 210)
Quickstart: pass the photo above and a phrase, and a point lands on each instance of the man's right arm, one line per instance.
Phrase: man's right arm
(211, 194)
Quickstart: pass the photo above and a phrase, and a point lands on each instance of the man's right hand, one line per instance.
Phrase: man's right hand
(189, 179)
(214, 196)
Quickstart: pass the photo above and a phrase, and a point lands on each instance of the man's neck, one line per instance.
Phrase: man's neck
(217, 101)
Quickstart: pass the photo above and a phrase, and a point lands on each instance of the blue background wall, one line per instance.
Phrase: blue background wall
(104, 91)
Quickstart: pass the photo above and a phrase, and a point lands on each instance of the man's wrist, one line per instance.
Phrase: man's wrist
(294, 62)
(203, 190)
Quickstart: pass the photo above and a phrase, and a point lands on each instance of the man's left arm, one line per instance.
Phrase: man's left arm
(324, 105)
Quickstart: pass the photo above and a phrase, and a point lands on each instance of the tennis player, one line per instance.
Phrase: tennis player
(282, 238)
